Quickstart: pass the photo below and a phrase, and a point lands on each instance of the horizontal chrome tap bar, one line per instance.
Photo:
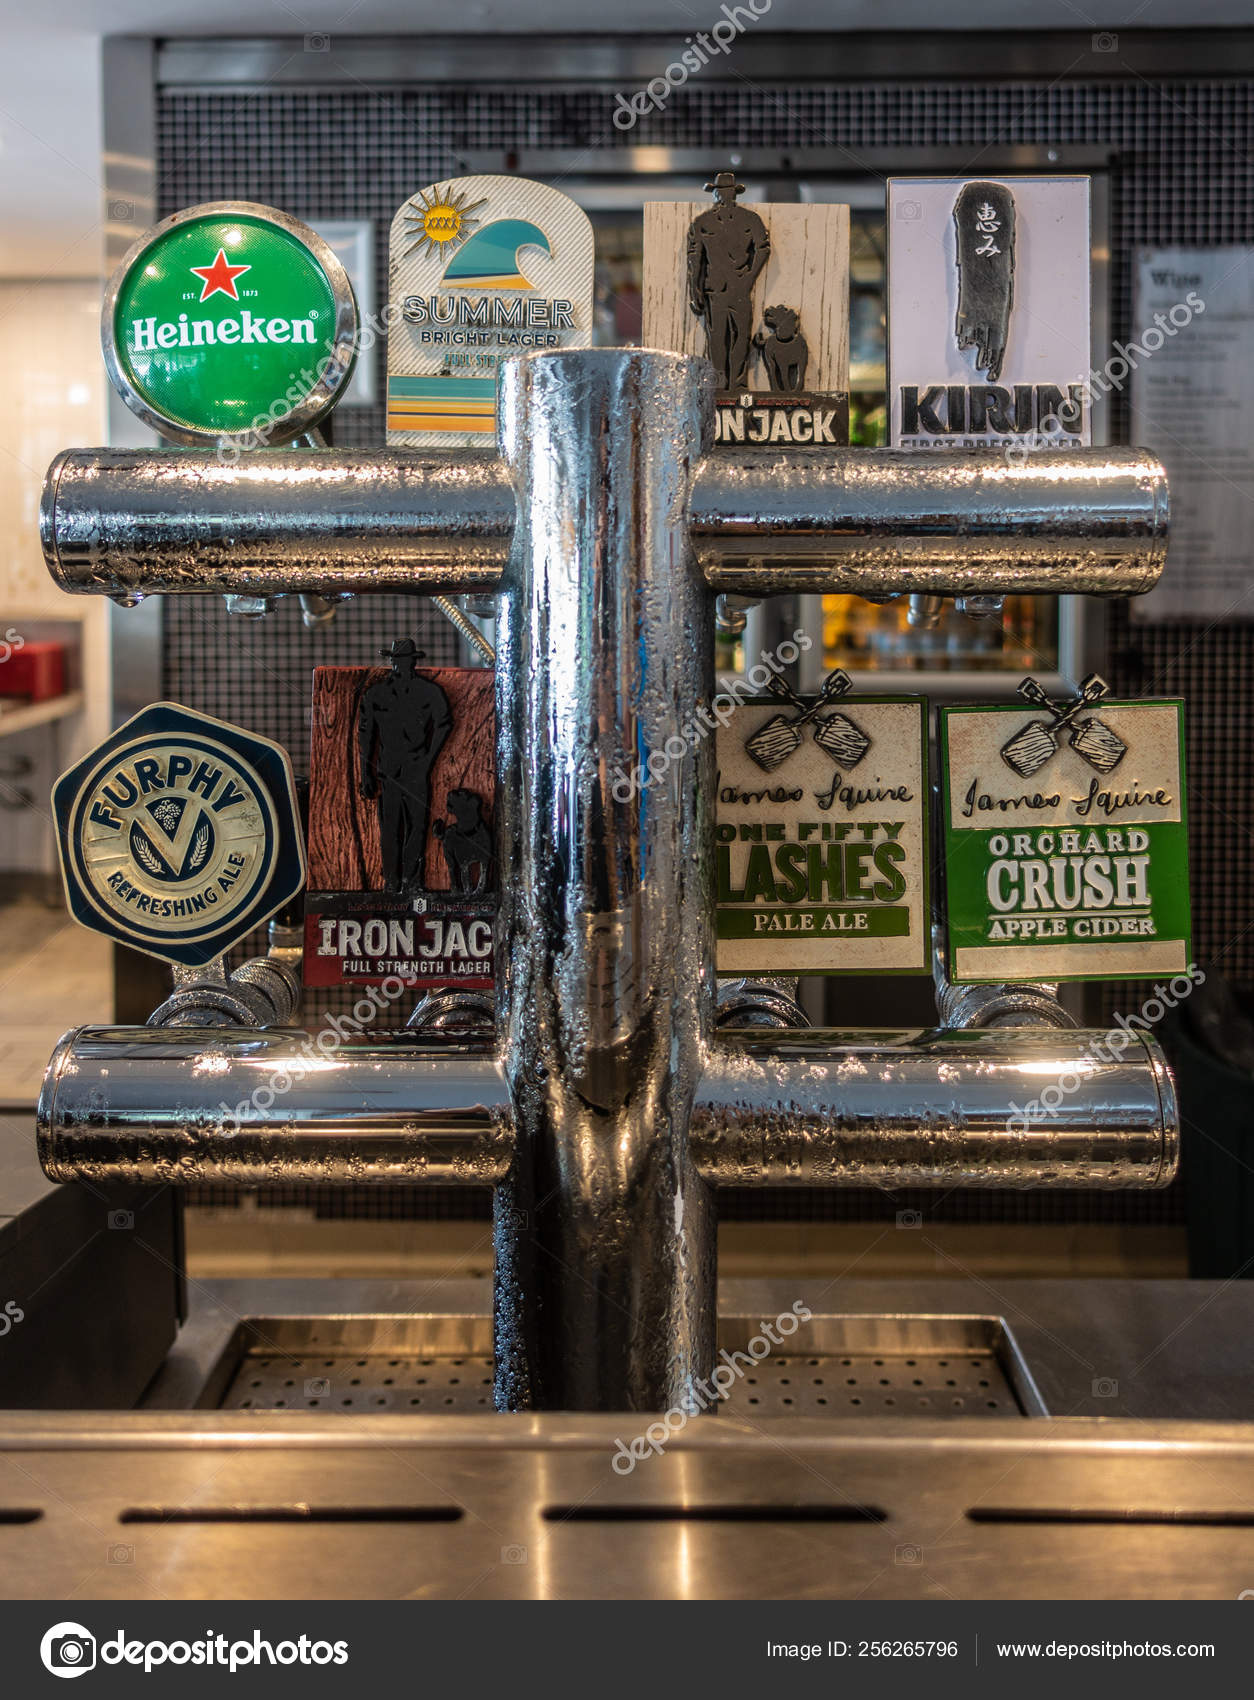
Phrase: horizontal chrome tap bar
(192, 1106)
(868, 522)
(1006, 1107)
(876, 523)
(139, 521)
(996, 1108)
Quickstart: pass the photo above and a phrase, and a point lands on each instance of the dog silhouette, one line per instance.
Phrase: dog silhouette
(466, 842)
(784, 352)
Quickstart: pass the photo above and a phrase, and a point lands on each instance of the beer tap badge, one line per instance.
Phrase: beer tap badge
(179, 834)
(402, 861)
(481, 268)
(230, 323)
(762, 291)
(988, 312)
(821, 832)
(1066, 845)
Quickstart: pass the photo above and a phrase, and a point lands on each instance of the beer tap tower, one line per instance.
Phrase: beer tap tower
(607, 1106)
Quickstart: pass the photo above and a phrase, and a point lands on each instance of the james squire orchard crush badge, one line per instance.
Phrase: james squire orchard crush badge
(820, 837)
(179, 834)
(402, 867)
(1066, 850)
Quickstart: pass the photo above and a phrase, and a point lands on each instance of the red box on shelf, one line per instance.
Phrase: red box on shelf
(32, 670)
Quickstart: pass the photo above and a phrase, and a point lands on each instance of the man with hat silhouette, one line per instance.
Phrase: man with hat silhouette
(727, 249)
(402, 724)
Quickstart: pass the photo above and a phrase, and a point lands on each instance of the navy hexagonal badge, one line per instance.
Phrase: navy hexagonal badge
(179, 834)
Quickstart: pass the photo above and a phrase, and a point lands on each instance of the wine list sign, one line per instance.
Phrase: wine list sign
(1066, 844)
(402, 871)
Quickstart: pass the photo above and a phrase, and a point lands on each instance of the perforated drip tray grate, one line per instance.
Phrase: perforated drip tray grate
(440, 1386)
(839, 1367)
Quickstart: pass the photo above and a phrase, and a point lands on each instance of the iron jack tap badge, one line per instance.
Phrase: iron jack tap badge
(402, 859)
(762, 292)
(179, 834)
(230, 320)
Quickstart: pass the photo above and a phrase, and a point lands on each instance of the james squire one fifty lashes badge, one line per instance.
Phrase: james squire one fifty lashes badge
(821, 833)
(1066, 843)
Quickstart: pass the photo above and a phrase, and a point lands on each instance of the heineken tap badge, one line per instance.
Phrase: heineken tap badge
(230, 324)
(762, 291)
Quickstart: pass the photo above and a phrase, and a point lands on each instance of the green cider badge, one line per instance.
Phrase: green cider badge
(230, 321)
(1066, 840)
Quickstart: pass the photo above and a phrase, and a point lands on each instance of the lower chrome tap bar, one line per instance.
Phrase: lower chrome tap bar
(1003, 1107)
(191, 1106)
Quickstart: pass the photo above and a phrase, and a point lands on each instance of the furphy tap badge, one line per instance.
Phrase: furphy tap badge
(179, 834)
(230, 323)
(821, 834)
(402, 863)
(1066, 847)
(482, 268)
(988, 312)
(762, 291)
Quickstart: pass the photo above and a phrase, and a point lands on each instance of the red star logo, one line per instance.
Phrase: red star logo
(221, 275)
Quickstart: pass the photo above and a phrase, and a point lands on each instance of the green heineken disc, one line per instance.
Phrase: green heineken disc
(230, 321)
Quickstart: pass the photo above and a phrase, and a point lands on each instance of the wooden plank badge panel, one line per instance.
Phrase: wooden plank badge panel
(402, 879)
(1066, 845)
(780, 347)
(821, 838)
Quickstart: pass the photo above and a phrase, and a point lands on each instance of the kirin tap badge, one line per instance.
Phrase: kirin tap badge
(988, 312)
(762, 292)
(481, 268)
(402, 868)
(179, 834)
(821, 834)
(1066, 846)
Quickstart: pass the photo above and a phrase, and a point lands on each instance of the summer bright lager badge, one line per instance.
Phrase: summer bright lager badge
(821, 835)
(179, 834)
(762, 291)
(482, 268)
(230, 322)
(1066, 848)
(402, 863)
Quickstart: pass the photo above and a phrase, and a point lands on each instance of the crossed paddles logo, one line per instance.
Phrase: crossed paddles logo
(1039, 741)
(782, 736)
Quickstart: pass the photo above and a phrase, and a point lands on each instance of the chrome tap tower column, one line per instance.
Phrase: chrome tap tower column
(610, 1109)
(605, 1235)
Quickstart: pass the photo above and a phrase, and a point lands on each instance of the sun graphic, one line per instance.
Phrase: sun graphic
(440, 220)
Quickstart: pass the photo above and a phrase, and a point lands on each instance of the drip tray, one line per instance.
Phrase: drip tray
(832, 1367)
